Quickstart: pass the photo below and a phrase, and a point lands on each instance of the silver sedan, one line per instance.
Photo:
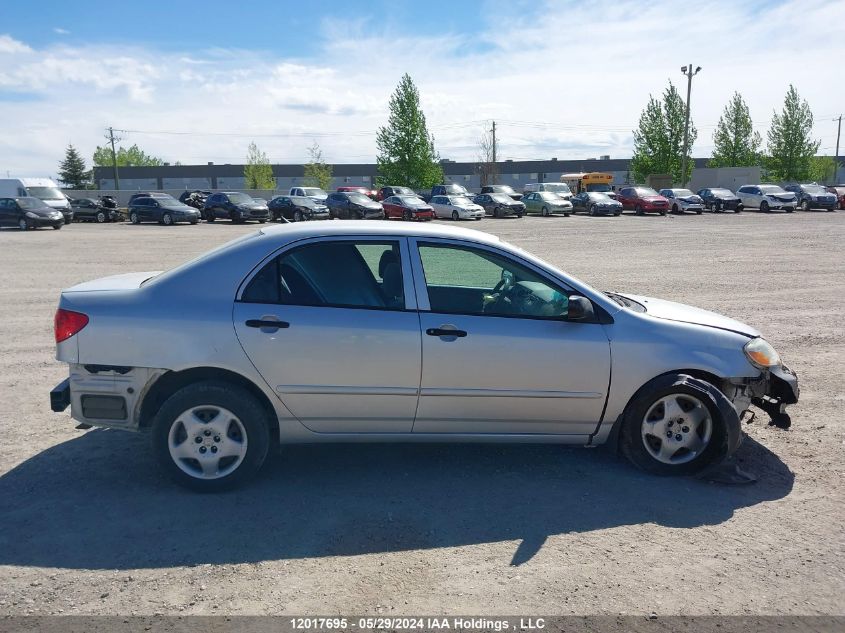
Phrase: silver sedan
(378, 332)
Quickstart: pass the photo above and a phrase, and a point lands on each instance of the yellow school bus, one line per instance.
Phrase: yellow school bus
(594, 181)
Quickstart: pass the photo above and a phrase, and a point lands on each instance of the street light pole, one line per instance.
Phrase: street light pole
(690, 73)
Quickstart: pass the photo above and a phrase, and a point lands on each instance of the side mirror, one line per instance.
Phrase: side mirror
(579, 309)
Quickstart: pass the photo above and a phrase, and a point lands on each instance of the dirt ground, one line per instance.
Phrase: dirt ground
(88, 526)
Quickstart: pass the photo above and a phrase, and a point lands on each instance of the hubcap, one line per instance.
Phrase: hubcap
(207, 442)
(677, 429)
(22, 225)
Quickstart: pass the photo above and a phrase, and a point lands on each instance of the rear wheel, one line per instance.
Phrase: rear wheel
(456, 216)
(133, 218)
(673, 430)
(211, 436)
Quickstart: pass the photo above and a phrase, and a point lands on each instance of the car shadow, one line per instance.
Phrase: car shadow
(98, 502)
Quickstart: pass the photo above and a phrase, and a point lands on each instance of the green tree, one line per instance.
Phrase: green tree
(258, 173)
(72, 172)
(406, 154)
(316, 172)
(736, 144)
(126, 157)
(659, 138)
(822, 169)
(791, 148)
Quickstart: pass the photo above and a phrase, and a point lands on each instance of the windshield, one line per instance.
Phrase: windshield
(502, 189)
(171, 204)
(771, 189)
(45, 193)
(549, 195)
(303, 202)
(646, 191)
(500, 197)
(239, 198)
(814, 189)
(721, 192)
(460, 201)
(412, 200)
(600, 197)
(455, 189)
(599, 186)
(313, 191)
(359, 198)
(31, 203)
(557, 188)
(683, 192)
(405, 191)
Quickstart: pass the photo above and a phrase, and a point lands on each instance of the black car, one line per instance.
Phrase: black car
(505, 189)
(297, 209)
(718, 200)
(394, 190)
(813, 196)
(90, 210)
(499, 205)
(150, 194)
(195, 198)
(235, 206)
(162, 210)
(29, 213)
(595, 203)
(350, 205)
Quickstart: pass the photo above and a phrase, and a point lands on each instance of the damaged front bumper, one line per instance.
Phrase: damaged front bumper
(772, 391)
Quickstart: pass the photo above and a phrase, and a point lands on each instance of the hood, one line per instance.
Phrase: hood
(691, 199)
(654, 199)
(253, 206)
(126, 281)
(57, 204)
(672, 311)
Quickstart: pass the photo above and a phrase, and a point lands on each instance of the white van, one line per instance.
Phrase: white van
(42, 188)
(560, 188)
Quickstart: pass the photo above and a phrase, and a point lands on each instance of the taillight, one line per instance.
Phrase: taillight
(68, 323)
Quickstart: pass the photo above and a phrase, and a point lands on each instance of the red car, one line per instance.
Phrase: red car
(407, 208)
(839, 192)
(643, 200)
(351, 189)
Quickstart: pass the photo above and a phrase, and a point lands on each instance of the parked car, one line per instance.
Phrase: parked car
(839, 192)
(407, 208)
(766, 198)
(45, 189)
(363, 190)
(235, 206)
(158, 195)
(315, 193)
(352, 206)
(596, 203)
(299, 333)
(683, 200)
(546, 203)
(642, 200)
(456, 207)
(28, 212)
(195, 199)
(91, 210)
(560, 188)
(718, 199)
(392, 190)
(499, 205)
(161, 210)
(813, 196)
(505, 189)
(297, 209)
(452, 189)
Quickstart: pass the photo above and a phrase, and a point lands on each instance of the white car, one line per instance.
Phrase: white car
(767, 198)
(456, 207)
(683, 200)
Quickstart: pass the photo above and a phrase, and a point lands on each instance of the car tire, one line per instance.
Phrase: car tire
(662, 212)
(193, 222)
(805, 206)
(406, 215)
(593, 211)
(167, 219)
(23, 224)
(133, 218)
(739, 208)
(100, 217)
(496, 213)
(262, 221)
(544, 212)
(699, 211)
(717, 208)
(188, 432)
(638, 210)
(456, 216)
(674, 208)
(653, 436)
(764, 207)
(56, 227)
(297, 216)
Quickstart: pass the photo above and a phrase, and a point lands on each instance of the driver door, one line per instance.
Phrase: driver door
(498, 359)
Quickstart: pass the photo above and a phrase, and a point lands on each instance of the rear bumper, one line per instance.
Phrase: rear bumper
(60, 396)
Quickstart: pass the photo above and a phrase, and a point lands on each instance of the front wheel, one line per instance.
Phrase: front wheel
(406, 215)
(496, 212)
(101, 217)
(544, 212)
(805, 206)
(739, 208)
(593, 211)
(209, 216)
(56, 227)
(167, 219)
(674, 208)
(673, 430)
(23, 224)
(297, 216)
(638, 210)
(211, 436)
(764, 207)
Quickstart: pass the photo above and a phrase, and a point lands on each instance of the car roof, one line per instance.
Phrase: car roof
(302, 230)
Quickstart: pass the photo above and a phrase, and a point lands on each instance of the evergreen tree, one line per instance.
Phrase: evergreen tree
(736, 144)
(791, 149)
(72, 172)
(406, 154)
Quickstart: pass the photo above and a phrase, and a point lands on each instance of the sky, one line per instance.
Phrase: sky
(195, 82)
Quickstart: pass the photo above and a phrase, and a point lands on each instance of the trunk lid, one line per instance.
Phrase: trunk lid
(126, 281)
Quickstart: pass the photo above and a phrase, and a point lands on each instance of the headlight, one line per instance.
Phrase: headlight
(32, 215)
(761, 353)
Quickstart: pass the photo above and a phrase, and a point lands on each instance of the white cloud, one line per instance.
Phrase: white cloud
(60, 31)
(570, 83)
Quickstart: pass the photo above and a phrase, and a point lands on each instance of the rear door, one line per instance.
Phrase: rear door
(497, 356)
(330, 325)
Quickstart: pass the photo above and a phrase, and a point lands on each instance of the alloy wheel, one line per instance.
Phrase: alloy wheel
(676, 429)
(207, 442)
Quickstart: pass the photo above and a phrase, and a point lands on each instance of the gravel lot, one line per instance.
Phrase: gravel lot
(88, 526)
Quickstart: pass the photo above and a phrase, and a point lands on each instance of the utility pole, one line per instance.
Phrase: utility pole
(493, 167)
(836, 157)
(114, 159)
(690, 73)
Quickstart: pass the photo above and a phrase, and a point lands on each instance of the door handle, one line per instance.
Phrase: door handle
(267, 323)
(436, 331)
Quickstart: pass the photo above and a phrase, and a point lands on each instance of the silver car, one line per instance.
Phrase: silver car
(683, 200)
(382, 332)
(456, 207)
